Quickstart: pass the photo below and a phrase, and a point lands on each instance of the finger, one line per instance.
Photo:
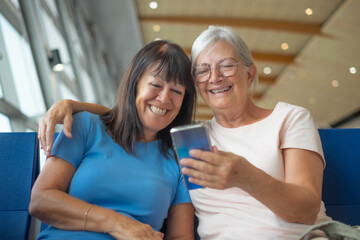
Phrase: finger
(204, 183)
(67, 125)
(205, 156)
(50, 131)
(214, 149)
(39, 134)
(160, 234)
(194, 163)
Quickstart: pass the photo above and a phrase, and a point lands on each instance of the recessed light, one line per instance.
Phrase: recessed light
(156, 28)
(335, 83)
(352, 70)
(284, 46)
(267, 70)
(309, 11)
(153, 5)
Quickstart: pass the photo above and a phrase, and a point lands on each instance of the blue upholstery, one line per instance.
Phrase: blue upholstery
(19, 167)
(341, 186)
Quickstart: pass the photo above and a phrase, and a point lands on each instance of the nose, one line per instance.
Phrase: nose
(215, 76)
(164, 96)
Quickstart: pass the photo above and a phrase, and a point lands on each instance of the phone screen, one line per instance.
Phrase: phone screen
(189, 137)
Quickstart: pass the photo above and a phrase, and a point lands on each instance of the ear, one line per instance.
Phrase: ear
(251, 74)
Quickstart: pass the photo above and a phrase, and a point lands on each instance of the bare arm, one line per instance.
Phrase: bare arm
(300, 192)
(51, 204)
(180, 222)
(61, 112)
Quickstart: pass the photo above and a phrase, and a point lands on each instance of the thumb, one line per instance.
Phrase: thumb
(214, 149)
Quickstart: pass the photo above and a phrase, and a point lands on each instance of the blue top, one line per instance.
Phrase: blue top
(142, 187)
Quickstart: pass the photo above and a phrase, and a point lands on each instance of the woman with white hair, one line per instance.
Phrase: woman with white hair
(263, 179)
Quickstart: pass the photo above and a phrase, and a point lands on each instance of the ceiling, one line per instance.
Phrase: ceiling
(313, 72)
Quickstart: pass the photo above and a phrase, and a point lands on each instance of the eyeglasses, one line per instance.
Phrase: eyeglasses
(226, 67)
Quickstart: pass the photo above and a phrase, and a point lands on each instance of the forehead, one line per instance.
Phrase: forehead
(153, 73)
(215, 52)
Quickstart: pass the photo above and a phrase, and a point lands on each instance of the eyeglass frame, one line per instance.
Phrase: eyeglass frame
(216, 67)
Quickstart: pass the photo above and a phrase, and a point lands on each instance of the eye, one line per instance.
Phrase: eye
(155, 85)
(201, 71)
(177, 91)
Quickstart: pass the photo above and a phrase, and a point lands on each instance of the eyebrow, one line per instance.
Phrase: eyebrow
(221, 60)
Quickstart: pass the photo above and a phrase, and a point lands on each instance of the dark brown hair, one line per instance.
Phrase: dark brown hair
(122, 122)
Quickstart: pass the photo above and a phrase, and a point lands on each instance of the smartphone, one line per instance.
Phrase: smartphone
(187, 137)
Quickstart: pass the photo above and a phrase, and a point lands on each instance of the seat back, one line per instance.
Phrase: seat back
(341, 185)
(19, 167)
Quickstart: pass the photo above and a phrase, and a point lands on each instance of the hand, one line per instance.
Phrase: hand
(217, 169)
(134, 230)
(60, 112)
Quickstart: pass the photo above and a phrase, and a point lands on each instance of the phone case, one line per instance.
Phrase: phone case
(185, 138)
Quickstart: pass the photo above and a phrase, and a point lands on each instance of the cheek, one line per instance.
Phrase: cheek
(178, 102)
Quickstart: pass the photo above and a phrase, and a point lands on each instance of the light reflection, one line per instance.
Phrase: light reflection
(267, 70)
(153, 5)
(284, 46)
(156, 28)
(352, 70)
(309, 11)
(335, 83)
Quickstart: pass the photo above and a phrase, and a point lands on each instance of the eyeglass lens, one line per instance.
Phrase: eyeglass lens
(226, 68)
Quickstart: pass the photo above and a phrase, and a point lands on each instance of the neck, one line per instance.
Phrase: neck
(147, 137)
(240, 115)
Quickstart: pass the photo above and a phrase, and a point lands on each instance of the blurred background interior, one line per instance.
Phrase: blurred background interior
(307, 52)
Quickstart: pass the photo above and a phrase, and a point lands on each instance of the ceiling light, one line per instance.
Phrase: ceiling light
(157, 39)
(352, 70)
(284, 46)
(156, 28)
(267, 70)
(312, 100)
(335, 83)
(309, 11)
(153, 5)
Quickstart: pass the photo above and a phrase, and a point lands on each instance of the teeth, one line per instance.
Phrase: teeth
(158, 111)
(220, 90)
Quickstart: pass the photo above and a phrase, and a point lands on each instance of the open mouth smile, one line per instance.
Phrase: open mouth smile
(215, 91)
(158, 111)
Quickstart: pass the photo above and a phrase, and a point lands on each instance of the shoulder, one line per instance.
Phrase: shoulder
(86, 117)
(86, 120)
(287, 107)
(288, 110)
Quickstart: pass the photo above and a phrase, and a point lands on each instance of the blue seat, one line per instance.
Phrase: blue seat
(19, 167)
(341, 185)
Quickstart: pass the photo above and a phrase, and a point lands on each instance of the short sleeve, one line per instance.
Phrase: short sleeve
(182, 194)
(299, 131)
(73, 149)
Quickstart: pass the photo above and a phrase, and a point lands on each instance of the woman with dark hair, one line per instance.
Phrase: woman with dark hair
(116, 177)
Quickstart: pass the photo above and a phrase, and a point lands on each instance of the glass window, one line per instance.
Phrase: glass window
(4, 123)
(56, 41)
(1, 91)
(65, 92)
(87, 86)
(52, 6)
(23, 71)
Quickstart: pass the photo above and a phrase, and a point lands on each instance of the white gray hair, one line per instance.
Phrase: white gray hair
(222, 33)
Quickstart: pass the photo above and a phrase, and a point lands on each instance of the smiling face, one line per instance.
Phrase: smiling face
(157, 102)
(219, 92)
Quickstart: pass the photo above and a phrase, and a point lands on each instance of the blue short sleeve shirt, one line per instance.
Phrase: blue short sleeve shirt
(142, 186)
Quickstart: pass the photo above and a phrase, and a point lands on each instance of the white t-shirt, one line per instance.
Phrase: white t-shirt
(233, 213)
